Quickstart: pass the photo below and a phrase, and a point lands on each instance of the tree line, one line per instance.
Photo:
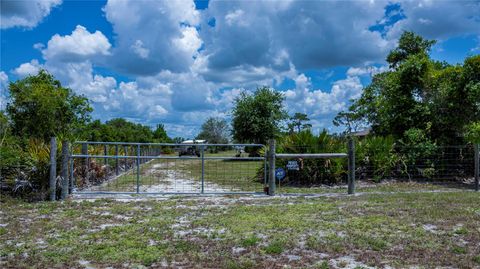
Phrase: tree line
(418, 101)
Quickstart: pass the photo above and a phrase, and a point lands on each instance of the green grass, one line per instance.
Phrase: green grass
(250, 241)
(373, 229)
(235, 175)
(275, 247)
(392, 187)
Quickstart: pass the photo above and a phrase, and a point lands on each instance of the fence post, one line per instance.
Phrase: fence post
(72, 175)
(271, 167)
(85, 160)
(116, 160)
(53, 169)
(125, 152)
(64, 172)
(105, 152)
(138, 168)
(351, 166)
(477, 167)
(203, 168)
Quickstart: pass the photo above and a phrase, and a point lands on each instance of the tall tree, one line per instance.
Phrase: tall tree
(160, 134)
(418, 93)
(298, 121)
(40, 107)
(257, 117)
(352, 120)
(215, 131)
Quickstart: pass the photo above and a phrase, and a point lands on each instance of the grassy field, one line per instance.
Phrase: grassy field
(431, 229)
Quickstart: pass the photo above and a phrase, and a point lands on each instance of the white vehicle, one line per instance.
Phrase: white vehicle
(188, 148)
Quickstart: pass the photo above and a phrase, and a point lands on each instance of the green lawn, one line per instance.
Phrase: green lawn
(434, 229)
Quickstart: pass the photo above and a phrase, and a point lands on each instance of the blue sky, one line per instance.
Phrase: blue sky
(180, 62)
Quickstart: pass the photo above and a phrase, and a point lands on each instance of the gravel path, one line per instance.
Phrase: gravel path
(172, 180)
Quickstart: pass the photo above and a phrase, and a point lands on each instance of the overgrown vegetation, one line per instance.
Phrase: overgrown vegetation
(418, 93)
(39, 107)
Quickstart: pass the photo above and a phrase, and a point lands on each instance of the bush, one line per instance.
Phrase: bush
(416, 154)
(313, 171)
(472, 133)
(376, 157)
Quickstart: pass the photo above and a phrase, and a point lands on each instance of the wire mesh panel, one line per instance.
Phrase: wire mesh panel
(434, 163)
(375, 163)
(170, 176)
(326, 168)
(168, 168)
(234, 168)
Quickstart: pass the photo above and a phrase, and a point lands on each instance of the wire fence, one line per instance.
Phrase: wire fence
(440, 163)
(448, 164)
(180, 168)
(168, 168)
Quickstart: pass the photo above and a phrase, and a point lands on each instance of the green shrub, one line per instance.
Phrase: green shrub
(472, 133)
(313, 171)
(376, 157)
(417, 150)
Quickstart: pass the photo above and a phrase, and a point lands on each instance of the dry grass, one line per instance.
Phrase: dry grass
(399, 230)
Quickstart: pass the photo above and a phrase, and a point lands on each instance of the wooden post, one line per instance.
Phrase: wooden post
(72, 175)
(271, 167)
(116, 160)
(53, 169)
(64, 172)
(477, 167)
(85, 160)
(105, 153)
(351, 166)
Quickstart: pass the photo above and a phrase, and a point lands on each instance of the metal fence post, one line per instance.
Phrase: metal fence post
(477, 167)
(271, 167)
(53, 169)
(138, 168)
(125, 153)
(85, 162)
(116, 160)
(105, 152)
(203, 168)
(351, 166)
(64, 172)
(72, 175)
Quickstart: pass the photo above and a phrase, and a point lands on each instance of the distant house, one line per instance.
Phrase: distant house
(362, 133)
(194, 141)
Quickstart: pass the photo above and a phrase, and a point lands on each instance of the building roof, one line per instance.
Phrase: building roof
(194, 141)
(361, 133)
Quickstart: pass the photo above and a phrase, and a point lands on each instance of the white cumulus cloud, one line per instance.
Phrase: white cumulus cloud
(23, 13)
(81, 44)
(322, 105)
(26, 69)
(167, 29)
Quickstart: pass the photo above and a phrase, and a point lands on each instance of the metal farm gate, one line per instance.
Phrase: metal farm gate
(195, 168)
(165, 168)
